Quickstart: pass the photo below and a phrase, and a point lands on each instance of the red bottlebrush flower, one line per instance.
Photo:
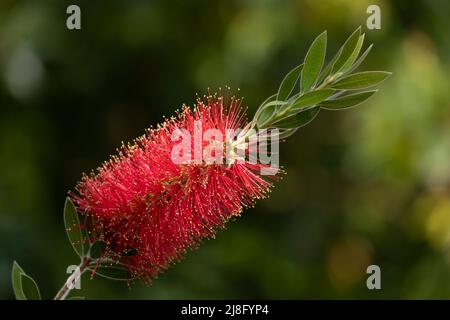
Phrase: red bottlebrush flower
(142, 201)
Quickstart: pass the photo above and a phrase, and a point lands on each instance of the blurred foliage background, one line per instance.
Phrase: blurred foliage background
(366, 186)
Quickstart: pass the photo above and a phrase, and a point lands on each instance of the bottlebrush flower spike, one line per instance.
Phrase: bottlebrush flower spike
(141, 201)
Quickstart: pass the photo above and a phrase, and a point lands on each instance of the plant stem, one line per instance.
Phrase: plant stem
(72, 279)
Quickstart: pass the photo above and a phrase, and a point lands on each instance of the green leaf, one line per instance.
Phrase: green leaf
(275, 103)
(312, 98)
(298, 119)
(346, 50)
(360, 59)
(353, 56)
(288, 83)
(16, 279)
(326, 71)
(265, 116)
(287, 133)
(112, 271)
(267, 111)
(313, 62)
(76, 298)
(130, 252)
(361, 80)
(97, 249)
(347, 101)
(271, 98)
(24, 287)
(73, 228)
(30, 288)
(262, 106)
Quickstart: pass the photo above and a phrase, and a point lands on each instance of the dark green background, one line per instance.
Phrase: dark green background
(365, 186)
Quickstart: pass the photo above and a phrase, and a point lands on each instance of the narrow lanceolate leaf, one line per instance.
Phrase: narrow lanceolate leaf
(24, 287)
(347, 101)
(360, 59)
(261, 106)
(353, 56)
(16, 279)
(97, 249)
(271, 98)
(130, 252)
(30, 288)
(313, 62)
(73, 228)
(326, 71)
(112, 271)
(267, 111)
(346, 50)
(265, 116)
(287, 133)
(298, 119)
(361, 80)
(312, 98)
(288, 83)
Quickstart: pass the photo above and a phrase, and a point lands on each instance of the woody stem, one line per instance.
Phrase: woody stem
(72, 279)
